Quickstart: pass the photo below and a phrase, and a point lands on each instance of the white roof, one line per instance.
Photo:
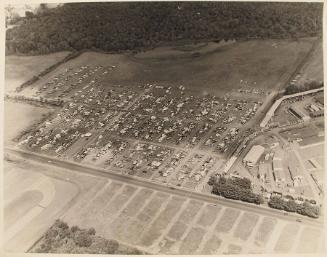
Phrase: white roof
(254, 154)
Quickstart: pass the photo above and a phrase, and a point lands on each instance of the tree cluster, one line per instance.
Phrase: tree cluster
(305, 208)
(120, 26)
(236, 189)
(60, 238)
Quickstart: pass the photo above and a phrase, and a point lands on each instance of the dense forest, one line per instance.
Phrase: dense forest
(141, 25)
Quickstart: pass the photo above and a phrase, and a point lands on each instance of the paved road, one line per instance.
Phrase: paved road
(164, 188)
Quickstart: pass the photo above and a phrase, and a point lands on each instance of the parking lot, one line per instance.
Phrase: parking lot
(168, 134)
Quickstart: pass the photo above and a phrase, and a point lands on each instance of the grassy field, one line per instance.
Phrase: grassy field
(286, 239)
(260, 64)
(20, 116)
(245, 226)
(19, 69)
(184, 51)
(264, 231)
(313, 69)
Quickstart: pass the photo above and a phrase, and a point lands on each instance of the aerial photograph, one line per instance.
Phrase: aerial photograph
(163, 128)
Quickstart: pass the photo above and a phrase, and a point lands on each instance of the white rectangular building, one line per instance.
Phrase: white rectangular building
(253, 156)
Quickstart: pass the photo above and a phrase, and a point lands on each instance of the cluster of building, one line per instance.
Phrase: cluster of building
(272, 161)
(296, 111)
(299, 113)
(316, 109)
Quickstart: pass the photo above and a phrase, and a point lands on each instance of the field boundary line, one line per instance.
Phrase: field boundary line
(171, 224)
(148, 225)
(229, 236)
(190, 226)
(251, 239)
(296, 243)
(211, 231)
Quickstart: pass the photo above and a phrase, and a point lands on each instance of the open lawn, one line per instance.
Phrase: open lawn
(227, 221)
(265, 230)
(310, 240)
(19, 69)
(212, 245)
(183, 51)
(208, 215)
(246, 225)
(313, 69)
(19, 117)
(230, 67)
(225, 68)
(312, 151)
(287, 238)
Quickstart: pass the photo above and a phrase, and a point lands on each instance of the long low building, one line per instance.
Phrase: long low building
(253, 156)
(274, 107)
(299, 114)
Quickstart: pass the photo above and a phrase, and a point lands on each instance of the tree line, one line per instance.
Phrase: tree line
(235, 188)
(141, 25)
(241, 189)
(60, 238)
(305, 208)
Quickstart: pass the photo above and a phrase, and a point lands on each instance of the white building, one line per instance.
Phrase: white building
(298, 113)
(253, 156)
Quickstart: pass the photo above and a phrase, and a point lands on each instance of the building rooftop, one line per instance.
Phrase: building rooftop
(254, 154)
